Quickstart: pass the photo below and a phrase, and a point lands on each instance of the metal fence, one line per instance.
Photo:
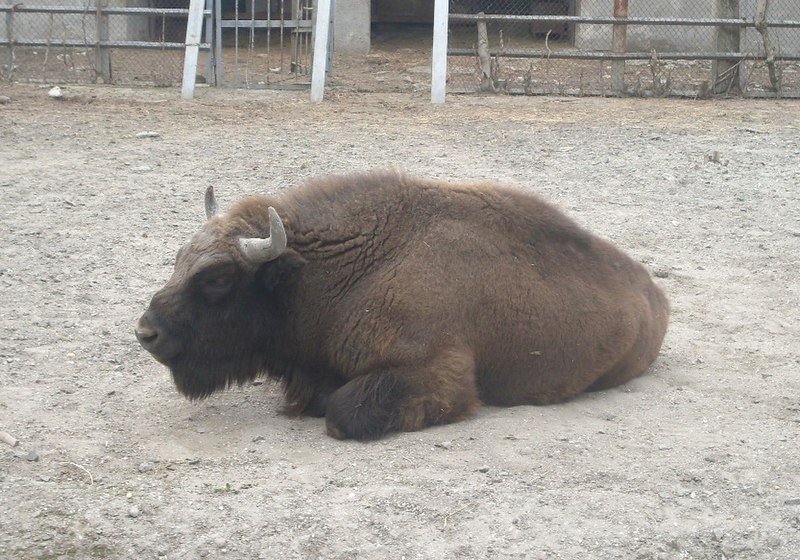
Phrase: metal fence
(108, 41)
(248, 43)
(633, 47)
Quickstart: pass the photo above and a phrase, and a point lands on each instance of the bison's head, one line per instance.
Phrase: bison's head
(213, 321)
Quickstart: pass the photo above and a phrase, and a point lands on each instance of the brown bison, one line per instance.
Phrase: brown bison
(387, 303)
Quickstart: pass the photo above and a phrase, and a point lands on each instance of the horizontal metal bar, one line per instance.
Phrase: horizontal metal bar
(604, 20)
(22, 8)
(299, 86)
(605, 55)
(102, 44)
(581, 92)
(265, 23)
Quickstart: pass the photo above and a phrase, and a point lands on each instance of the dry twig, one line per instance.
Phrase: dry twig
(84, 469)
(451, 514)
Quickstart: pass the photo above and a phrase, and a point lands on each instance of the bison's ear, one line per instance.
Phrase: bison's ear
(282, 270)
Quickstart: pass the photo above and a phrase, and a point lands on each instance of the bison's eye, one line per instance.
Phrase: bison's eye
(216, 283)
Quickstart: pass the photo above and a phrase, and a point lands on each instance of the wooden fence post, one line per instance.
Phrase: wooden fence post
(10, 35)
(619, 44)
(769, 48)
(102, 55)
(726, 74)
(485, 59)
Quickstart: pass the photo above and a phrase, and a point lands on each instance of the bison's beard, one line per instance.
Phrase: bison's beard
(197, 377)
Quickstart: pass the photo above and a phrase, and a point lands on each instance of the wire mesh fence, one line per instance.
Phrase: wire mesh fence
(634, 47)
(109, 41)
(248, 43)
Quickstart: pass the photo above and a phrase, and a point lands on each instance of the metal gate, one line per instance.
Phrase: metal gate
(263, 43)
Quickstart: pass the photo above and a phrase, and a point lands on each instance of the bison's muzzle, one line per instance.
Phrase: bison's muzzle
(163, 348)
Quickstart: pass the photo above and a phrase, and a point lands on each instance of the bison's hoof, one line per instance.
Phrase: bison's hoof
(334, 432)
(345, 420)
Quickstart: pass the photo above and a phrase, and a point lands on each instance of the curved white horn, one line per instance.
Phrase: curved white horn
(211, 203)
(260, 250)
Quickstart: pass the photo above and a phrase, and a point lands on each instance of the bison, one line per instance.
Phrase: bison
(389, 303)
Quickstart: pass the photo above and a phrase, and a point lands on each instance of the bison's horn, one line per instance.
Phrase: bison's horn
(260, 250)
(211, 203)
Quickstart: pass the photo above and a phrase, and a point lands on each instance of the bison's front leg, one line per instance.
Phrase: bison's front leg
(405, 398)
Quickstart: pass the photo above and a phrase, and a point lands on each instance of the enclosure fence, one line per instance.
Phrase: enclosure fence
(245, 42)
(575, 47)
(633, 47)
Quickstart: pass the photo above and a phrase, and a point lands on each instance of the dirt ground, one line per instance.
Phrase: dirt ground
(698, 459)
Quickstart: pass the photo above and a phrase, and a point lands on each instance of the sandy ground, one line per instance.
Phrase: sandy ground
(699, 459)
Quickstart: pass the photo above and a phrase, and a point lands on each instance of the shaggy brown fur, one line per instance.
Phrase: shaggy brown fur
(402, 303)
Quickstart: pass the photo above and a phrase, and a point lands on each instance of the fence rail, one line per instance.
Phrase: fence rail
(607, 55)
(601, 20)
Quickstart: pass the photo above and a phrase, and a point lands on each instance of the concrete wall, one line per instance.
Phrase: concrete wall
(351, 29)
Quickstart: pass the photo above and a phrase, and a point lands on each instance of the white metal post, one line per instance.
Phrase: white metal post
(194, 27)
(439, 57)
(319, 68)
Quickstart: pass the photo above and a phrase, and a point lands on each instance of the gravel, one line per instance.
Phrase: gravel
(698, 459)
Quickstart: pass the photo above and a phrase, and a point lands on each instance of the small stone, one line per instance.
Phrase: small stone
(56, 93)
(258, 438)
(444, 444)
(147, 134)
(483, 469)
(134, 512)
(146, 467)
(4, 100)
(31, 455)
(792, 502)
(661, 274)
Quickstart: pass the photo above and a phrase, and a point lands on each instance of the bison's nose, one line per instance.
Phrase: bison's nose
(156, 340)
(146, 335)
